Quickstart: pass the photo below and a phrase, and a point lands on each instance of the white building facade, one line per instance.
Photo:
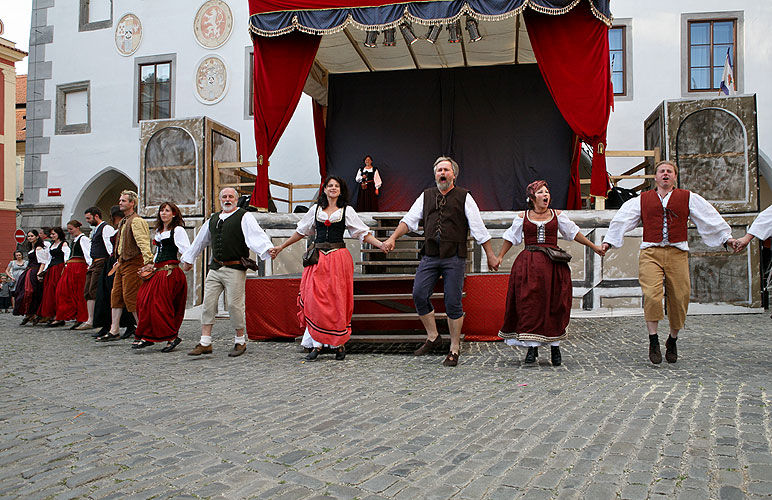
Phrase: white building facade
(96, 67)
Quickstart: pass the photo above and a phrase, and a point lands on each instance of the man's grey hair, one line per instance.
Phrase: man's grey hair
(236, 193)
(453, 164)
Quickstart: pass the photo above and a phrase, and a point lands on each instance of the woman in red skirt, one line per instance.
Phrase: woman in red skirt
(326, 297)
(540, 292)
(59, 252)
(29, 290)
(162, 296)
(71, 303)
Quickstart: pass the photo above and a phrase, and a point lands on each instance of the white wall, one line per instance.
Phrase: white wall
(114, 139)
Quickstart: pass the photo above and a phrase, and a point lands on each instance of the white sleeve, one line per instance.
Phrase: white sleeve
(711, 226)
(307, 224)
(476, 226)
(107, 232)
(762, 226)
(199, 243)
(85, 245)
(413, 217)
(567, 228)
(626, 219)
(356, 228)
(44, 257)
(514, 234)
(255, 237)
(66, 251)
(359, 175)
(181, 239)
(377, 179)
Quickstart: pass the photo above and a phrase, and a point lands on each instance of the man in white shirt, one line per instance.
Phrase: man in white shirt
(447, 213)
(665, 251)
(100, 250)
(232, 233)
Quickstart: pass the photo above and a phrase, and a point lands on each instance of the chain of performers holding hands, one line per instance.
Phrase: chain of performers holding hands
(123, 276)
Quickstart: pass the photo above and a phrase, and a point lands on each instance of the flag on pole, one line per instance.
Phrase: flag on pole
(727, 79)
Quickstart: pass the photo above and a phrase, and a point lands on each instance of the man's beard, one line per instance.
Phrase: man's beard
(442, 185)
(227, 206)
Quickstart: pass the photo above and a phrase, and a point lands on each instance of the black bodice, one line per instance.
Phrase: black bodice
(332, 233)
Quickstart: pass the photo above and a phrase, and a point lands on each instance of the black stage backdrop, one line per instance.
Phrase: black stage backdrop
(499, 122)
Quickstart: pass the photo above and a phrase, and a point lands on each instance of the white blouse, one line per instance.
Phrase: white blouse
(376, 178)
(65, 250)
(567, 229)
(356, 228)
(180, 238)
(762, 226)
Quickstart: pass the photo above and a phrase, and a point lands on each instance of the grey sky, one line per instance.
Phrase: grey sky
(16, 19)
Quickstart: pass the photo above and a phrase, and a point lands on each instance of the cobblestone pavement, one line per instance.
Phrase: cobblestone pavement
(81, 419)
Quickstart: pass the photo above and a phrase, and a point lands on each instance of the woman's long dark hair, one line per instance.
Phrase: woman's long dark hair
(38, 242)
(342, 201)
(59, 232)
(176, 218)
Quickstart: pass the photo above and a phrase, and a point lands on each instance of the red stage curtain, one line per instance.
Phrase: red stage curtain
(282, 64)
(320, 133)
(572, 53)
(574, 201)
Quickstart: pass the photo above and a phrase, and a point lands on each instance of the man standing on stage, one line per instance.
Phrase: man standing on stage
(232, 234)
(664, 251)
(101, 248)
(132, 247)
(447, 213)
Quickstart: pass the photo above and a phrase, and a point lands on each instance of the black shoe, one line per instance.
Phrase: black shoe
(340, 354)
(25, 320)
(76, 325)
(141, 344)
(103, 331)
(130, 332)
(555, 355)
(671, 351)
(54, 324)
(428, 346)
(311, 356)
(533, 353)
(171, 345)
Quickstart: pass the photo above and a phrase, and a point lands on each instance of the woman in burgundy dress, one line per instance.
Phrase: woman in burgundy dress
(71, 303)
(161, 298)
(60, 252)
(29, 290)
(539, 295)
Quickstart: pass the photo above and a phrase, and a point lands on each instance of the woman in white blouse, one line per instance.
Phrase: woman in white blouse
(369, 180)
(59, 253)
(29, 290)
(326, 296)
(539, 297)
(164, 292)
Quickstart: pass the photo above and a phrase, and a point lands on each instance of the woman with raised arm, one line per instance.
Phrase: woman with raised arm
(162, 296)
(539, 298)
(326, 297)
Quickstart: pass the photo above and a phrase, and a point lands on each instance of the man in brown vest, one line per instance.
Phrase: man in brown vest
(447, 213)
(665, 251)
(132, 248)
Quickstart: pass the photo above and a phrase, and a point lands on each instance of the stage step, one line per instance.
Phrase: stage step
(417, 338)
(396, 296)
(395, 250)
(384, 277)
(392, 316)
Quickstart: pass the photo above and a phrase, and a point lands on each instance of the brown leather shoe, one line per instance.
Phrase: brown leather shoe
(238, 350)
(451, 359)
(428, 346)
(200, 349)
(671, 351)
(655, 355)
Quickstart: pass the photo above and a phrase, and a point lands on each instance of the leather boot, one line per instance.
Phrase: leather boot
(533, 353)
(555, 355)
(655, 355)
(671, 351)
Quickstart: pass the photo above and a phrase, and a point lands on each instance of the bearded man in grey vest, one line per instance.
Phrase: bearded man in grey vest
(232, 234)
(447, 213)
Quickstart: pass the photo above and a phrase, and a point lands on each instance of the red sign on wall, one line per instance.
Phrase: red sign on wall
(54, 191)
(19, 235)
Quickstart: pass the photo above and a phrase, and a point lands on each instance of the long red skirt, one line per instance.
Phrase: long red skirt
(538, 299)
(161, 304)
(70, 302)
(50, 282)
(326, 298)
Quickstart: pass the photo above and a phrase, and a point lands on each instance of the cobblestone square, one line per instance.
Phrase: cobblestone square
(80, 419)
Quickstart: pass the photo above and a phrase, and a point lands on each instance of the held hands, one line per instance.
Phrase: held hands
(739, 244)
(185, 266)
(388, 245)
(273, 252)
(494, 262)
(600, 249)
